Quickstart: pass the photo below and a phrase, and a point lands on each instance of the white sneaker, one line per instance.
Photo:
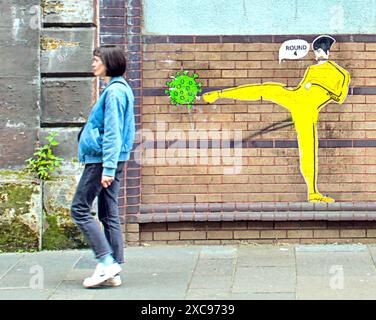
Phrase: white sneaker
(101, 274)
(113, 282)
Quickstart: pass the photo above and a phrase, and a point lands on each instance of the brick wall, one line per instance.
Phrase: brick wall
(258, 232)
(185, 175)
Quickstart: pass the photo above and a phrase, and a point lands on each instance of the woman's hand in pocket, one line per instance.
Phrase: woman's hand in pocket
(106, 181)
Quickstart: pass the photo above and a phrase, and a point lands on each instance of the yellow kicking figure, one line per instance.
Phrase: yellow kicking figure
(323, 83)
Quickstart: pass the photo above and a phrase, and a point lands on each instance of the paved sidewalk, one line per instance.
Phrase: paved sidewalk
(286, 272)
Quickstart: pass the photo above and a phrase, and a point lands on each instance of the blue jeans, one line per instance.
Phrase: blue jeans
(89, 187)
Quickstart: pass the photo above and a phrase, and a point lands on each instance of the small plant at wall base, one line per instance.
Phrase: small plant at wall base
(44, 161)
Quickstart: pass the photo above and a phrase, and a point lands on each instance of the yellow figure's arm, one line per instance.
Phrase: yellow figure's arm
(346, 84)
(331, 77)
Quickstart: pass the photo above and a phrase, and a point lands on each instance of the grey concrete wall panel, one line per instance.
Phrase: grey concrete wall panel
(16, 145)
(67, 100)
(19, 81)
(19, 58)
(17, 14)
(67, 137)
(19, 102)
(69, 11)
(19, 38)
(67, 50)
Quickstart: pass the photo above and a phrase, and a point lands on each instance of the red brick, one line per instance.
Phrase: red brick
(300, 233)
(192, 235)
(146, 236)
(326, 233)
(352, 233)
(278, 234)
(220, 235)
(166, 235)
(153, 227)
(247, 234)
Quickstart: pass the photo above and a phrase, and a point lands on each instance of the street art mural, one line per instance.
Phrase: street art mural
(323, 83)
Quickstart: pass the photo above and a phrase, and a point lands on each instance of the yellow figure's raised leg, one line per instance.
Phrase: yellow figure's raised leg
(308, 147)
(303, 108)
(275, 92)
(211, 96)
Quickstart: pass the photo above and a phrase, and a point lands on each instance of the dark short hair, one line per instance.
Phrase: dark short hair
(113, 59)
(323, 42)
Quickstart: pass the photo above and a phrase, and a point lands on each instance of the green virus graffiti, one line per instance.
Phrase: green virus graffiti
(183, 89)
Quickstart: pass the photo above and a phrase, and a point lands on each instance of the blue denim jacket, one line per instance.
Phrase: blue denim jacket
(109, 132)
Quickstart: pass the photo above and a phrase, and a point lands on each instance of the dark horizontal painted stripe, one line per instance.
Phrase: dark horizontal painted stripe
(258, 207)
(364, 143)
(368, 38)
(156, 92)
(231, 144)
(340, 211)
(363, 91)
(286, 144)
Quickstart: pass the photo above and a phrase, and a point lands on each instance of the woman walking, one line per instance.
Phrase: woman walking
(104, 145)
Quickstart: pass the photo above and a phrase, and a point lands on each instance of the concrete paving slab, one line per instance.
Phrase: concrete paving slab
(43, 270)
(318, 288)
(156, 284)
(372, 252)
(207, 294)
(204, 281)
(71, 290)
(78, 274)
(264, 279)
(265, 247)
(117, 293)
(85, 262)
(24, 294)
(7, 261)
(154, 265)
(332, 248)
(139, 286)
(268, 257)
(161, 251)
(218, 252)
(215, 267)
(326, 263)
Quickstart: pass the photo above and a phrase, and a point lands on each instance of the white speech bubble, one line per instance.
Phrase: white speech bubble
(293, 49)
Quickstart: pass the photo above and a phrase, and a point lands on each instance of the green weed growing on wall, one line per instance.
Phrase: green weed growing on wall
(44, 161)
